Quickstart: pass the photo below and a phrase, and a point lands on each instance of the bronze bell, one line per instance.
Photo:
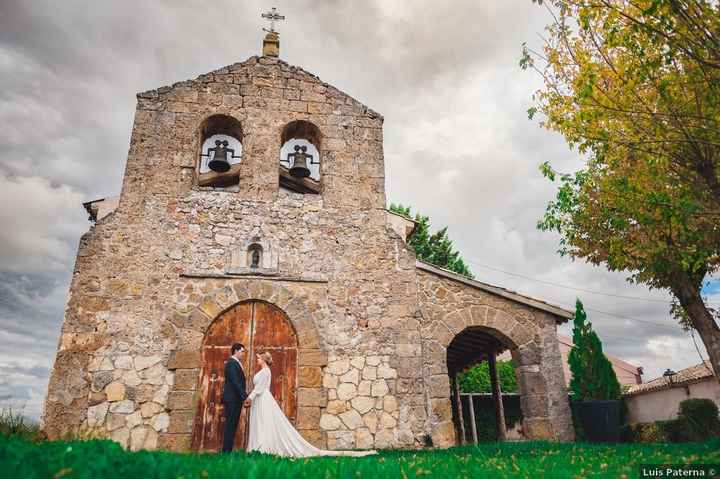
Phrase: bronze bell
(300, 158)
(219, 161)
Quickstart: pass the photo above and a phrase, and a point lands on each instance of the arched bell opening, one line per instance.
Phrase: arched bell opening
(471, 347)
(300, 159)
(220, 151)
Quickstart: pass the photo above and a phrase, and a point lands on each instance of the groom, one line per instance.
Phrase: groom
(233, 394)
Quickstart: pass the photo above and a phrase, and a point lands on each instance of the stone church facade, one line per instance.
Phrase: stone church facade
(369, 338)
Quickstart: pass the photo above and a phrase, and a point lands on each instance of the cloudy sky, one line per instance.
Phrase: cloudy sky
(458, 144)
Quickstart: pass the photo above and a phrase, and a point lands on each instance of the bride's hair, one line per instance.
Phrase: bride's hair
(267, 357)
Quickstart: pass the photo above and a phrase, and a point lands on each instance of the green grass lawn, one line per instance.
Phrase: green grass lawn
(104, 459)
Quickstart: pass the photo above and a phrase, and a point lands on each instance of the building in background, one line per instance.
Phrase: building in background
(659, 399)
(628, 374)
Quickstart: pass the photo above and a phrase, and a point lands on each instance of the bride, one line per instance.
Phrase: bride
(270, 431)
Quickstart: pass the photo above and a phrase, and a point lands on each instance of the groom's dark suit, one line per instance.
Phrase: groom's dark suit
(233, 397)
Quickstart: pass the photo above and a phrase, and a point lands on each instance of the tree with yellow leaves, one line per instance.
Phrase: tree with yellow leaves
(634, 86)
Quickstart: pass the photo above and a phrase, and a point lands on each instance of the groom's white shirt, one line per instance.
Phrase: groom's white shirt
(240, 363)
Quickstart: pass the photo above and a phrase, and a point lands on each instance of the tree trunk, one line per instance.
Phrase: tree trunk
(688, 293)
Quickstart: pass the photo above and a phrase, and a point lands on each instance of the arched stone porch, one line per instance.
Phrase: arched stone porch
(453, 305)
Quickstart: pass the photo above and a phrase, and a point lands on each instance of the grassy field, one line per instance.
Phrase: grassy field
(20, 458)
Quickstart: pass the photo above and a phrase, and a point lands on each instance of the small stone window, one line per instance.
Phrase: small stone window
(254, 258)
(300, 157)
(220, 151)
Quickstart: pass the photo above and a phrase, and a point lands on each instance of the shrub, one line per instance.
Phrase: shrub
(477, 378)
(674, 430)
(14, 423)
(699, 418)
(658, 431)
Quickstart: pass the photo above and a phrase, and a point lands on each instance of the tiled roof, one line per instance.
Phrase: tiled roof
(616, 362)
(685, 376)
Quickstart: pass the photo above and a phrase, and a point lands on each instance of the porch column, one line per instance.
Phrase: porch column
(497, 397)
(473, 427)
(458, 405)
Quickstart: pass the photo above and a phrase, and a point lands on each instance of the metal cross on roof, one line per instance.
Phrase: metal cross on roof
(273, 16)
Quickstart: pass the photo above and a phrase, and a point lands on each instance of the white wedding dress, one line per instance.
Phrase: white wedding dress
(270, 430)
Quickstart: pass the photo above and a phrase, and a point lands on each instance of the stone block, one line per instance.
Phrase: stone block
(149, 409)
(443, 434)
(455, 322)
(408, 350)
(351, 419)
(174, 442)
(138, 436)
(336, 407)
(363, 404)
(96, 414)
(538, 429)
(341, 440)
(121, 436)
(390, 404)
(369, 372)
(160, 422)
(125, 406)
(308, 418)
(373, 360)
(386, 372)
(371, 420)
(379, 388)
(330, 381)
(312, 357)
(209, 306)
(387, 421)
(329, 422)
(531, 383)
(145, 392)
(410, 368)
(124, 362)
(311, 397)
(181, 421)
(144, 362)
(352, 376)
(364, 438)
(338, 367)
(185, 360)
(186, 379)
(100, 380)
(439, 386)
(346, 391)
(115, 421)
(180, 400)
(358, 363)
(115, 391)
(310, 376)
(134, 419)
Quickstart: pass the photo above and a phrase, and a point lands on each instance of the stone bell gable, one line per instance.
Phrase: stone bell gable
(262, 96)
(253, 210)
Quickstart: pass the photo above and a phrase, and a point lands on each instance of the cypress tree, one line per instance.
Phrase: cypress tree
(436, 248)
(592, 374)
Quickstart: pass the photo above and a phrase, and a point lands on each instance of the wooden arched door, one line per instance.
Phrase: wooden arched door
(260, 327)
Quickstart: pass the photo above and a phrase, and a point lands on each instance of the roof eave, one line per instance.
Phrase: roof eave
(561, 315)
